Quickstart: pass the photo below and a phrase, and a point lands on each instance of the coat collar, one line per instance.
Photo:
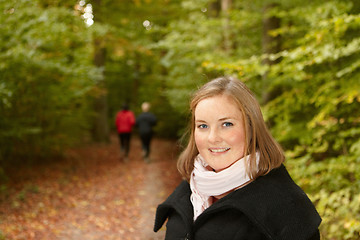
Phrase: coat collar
(179, 201)
(274, 203)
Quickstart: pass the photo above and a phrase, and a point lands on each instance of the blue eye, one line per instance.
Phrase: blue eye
(202, 126)
(227, 124)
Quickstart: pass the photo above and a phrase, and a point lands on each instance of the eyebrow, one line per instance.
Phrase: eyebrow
(225, 118)
(221, 119)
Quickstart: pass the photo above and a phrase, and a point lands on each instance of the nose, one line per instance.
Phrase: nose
(214, 136)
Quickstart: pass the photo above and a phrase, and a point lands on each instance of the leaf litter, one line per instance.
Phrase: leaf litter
(91, 194)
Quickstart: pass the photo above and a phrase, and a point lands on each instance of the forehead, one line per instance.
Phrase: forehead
(217, 106)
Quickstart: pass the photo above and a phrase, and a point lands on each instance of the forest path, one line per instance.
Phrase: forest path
(91, 194)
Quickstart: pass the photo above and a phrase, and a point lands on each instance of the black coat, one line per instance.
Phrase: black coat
(145, 122)
(271, 207)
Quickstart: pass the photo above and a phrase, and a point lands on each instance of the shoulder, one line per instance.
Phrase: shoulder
(179, 195)
(278, 206)
(149, 115)
(153, 115)
(140, 116)
(179, 201)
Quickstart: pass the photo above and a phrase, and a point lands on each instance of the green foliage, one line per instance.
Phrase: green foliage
(21, 196)
(133, 70)
(4, 192)
(46, 78)
(314, 89)
(2, 236)
(196, 40)
(334, 186)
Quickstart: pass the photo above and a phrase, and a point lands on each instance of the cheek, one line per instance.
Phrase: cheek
(199, 139)
(238, 140)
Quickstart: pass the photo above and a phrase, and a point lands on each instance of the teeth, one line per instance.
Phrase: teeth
(219, 150)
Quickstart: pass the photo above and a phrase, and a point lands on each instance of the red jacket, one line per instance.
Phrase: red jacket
(124, 121)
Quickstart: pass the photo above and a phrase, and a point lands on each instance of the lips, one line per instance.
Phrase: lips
(219, 150)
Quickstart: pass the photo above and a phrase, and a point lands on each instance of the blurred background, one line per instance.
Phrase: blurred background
(67, 66)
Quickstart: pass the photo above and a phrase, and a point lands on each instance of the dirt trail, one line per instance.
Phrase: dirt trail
(91, 194)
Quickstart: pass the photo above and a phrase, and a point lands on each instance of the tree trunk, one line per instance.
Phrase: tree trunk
(136, 81)
(270, 45)
(214, 9)
(100, 130)
(225, 8)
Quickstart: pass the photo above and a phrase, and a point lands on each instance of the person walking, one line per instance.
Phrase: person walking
(145, 123)
(124, 121)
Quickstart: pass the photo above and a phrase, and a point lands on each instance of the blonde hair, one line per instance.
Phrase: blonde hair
(257, 134)
(145, 106)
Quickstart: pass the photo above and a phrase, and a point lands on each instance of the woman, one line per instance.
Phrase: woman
(124, 121)
(236, 185)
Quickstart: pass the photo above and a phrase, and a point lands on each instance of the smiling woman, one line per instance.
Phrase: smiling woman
(236, 184)
(219, 131)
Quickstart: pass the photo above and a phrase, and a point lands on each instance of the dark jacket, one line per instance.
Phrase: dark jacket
(145, 121)
(271, 207)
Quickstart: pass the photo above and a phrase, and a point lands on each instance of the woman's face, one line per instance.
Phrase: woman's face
(219, 131)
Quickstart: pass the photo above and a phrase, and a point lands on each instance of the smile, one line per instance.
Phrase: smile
(218, 150)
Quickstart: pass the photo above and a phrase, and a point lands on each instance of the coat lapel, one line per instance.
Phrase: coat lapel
(179, 201)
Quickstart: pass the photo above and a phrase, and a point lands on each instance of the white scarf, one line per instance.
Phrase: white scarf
(205, 183)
